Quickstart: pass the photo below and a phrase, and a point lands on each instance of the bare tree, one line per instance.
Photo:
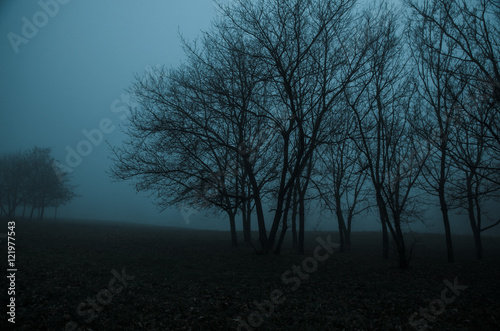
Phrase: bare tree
(197, 137)
(46, 185)
(256, 92)
(341, 182)
(435, 61)
(475, 184)
(473, 28)
(383, 106)
(32, 178)
(305, 47)
(469, 31)
(13, 170)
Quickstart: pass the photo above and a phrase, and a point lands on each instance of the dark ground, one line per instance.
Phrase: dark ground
(194, 280)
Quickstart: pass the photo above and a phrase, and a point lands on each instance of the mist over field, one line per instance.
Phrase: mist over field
(73, 73)
(59, 85)
(305, 138)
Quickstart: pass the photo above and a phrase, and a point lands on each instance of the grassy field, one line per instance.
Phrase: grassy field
(177, 279)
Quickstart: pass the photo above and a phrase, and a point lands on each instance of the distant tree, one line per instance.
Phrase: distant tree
(32, 178)
(13, 181)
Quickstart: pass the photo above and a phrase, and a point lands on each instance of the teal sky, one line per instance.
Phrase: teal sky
(64, 68)
(70, 74)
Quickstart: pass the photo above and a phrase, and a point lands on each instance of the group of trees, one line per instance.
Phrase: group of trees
(352, 107)
(32, 181)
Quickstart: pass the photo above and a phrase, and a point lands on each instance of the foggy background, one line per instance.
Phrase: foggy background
(72, 74)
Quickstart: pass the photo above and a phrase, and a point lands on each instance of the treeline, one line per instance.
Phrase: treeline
(290, 104)
(31, 181)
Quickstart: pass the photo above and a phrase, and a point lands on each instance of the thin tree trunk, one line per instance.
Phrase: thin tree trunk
(302, 220)
(284, 227)
(477, 235)
(442, 199)
(447, 231)
(232, 223)
(476, 231)
(347, 233)
(246, 214)
(340, 220)
(384, 218)
(400, 243)
(258, 207)
(32, 210)
(295, 240)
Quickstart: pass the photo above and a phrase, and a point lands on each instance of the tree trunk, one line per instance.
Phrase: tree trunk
(247, 227)
(302, 220)
(442, 198)
(447, 230)
(347, 234)
(384, 218)
(477, 234)
(42, 210)
(245, 216)
(400, 243)
(232, 223)
(341, 236)
(276, 221)
(258, 207)
(476, 231)
(340, 220)
(32, 209)
(295, 240)
(284, 227)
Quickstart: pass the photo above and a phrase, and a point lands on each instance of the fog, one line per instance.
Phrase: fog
(65, 80)
(323, 148)
(68, 77)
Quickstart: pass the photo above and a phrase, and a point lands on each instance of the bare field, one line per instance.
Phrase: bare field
(116, 276)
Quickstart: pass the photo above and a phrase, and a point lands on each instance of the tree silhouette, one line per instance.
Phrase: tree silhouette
(33, 179)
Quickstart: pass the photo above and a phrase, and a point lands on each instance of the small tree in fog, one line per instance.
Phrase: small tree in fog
(32, 179)
(13, 182)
